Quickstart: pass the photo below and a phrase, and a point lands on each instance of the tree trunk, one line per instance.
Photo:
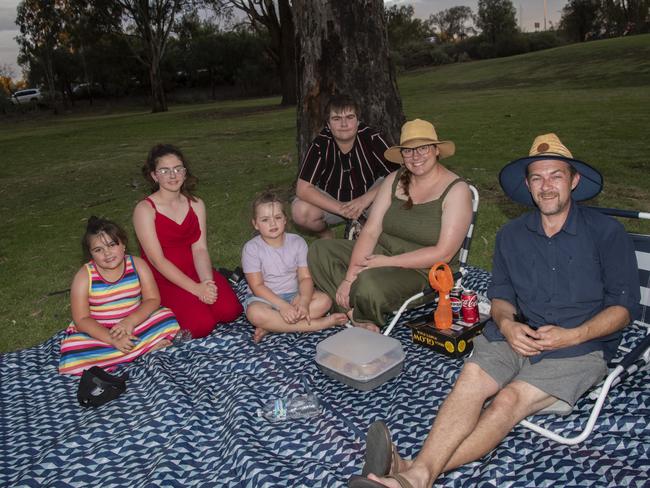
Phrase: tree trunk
(343, 48)
(158, 100)
(49, 78)
(287, 54)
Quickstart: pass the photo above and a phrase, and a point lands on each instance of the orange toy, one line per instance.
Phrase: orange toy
(442, 280)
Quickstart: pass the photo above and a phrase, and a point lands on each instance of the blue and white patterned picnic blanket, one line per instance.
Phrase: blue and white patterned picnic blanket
(188, 418)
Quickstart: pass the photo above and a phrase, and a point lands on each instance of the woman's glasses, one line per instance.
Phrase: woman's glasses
(407, 152)
(178, 171)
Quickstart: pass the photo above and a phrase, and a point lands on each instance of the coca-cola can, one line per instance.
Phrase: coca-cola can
(456, 302)
(469, 306)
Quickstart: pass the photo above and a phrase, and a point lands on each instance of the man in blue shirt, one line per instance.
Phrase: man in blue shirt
(564, 285)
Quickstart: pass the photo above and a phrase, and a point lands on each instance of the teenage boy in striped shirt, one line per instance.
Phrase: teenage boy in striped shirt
(339, 175)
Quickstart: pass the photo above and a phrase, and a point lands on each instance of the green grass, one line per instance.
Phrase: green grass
(56, 172)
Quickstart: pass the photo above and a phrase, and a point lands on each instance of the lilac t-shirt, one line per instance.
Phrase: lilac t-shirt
(279, 266)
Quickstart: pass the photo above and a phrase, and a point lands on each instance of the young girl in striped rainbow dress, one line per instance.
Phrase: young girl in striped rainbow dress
(115, 302)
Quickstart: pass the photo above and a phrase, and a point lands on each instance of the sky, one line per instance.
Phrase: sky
(528, 12)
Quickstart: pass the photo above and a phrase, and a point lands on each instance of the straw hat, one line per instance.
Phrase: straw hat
(548, 146)
(418, 133)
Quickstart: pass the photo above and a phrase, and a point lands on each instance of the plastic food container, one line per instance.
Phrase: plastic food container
(360, 358)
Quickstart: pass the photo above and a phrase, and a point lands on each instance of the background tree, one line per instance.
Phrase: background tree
(40, 23)
(276, 19)
(452, 24)
(497, 19)
(148, 24)
(343, 47)
(580, 18)
(403, 28)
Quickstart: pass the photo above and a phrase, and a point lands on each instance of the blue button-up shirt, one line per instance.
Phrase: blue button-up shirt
(565, 279)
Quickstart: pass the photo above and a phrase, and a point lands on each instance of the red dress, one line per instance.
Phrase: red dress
(176, 241)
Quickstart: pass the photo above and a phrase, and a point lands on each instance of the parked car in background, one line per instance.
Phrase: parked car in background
(86, 90)
(27, 96)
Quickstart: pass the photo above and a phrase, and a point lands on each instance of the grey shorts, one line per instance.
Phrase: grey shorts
(287, 297)
(566, 379)
(334, 219)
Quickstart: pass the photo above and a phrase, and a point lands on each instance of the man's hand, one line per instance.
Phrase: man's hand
(354, 208)
(521, 338)
(552, 337)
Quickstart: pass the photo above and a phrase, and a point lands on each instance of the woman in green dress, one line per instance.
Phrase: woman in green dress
(420, 217)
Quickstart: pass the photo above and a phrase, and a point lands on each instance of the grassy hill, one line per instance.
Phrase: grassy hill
(58, 172)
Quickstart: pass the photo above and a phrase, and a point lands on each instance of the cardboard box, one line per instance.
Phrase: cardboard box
(455, 342)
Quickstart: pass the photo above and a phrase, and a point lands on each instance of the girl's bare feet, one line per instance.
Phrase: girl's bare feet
(259, 334)
(161, 345)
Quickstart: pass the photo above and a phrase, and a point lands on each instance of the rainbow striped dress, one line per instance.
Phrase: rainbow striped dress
(109, 303)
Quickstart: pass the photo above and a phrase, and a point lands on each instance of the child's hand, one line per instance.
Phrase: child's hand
(301, 308)
(207, 292)
(289, 313)
(123, 328)
(303, 313)
(124, 344)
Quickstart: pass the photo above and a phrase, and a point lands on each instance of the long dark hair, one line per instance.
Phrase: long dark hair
(160, 151)
(99, 225)
(405, 181)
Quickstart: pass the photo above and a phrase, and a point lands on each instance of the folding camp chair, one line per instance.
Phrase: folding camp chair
(462, 270)
(633, 360)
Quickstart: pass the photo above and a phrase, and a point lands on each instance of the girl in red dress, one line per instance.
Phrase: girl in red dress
(170, 225)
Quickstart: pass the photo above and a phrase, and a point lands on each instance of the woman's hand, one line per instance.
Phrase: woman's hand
(376, 261)
(207, 292)
(343, 294)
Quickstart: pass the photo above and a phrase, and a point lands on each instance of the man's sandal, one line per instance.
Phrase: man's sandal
(380, 451)
(363, 482)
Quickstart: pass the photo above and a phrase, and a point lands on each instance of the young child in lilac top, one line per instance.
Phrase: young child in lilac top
(275, 264)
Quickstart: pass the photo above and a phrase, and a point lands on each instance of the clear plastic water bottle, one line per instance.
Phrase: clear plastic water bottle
(297, 407)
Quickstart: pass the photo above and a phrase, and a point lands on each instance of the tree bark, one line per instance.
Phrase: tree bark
(342, 47)
(288, 79)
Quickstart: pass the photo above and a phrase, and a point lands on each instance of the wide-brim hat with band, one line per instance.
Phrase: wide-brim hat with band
(548, 146)
(417, 133)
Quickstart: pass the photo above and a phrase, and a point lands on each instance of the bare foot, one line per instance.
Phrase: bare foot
(418, 476)
(331, 320)
(367, 325)
(161, 345)
(364, 325)
(259, 334)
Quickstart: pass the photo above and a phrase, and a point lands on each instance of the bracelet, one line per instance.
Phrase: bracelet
(345, 279)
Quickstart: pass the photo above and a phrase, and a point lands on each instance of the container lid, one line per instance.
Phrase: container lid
(359, 353)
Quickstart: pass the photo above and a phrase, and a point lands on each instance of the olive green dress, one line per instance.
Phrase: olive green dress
(380, 291)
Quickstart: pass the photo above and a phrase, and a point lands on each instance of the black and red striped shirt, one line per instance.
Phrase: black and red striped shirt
(346, 176)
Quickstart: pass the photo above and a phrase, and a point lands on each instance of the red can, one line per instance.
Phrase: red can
(469, 309)
(456, 302)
